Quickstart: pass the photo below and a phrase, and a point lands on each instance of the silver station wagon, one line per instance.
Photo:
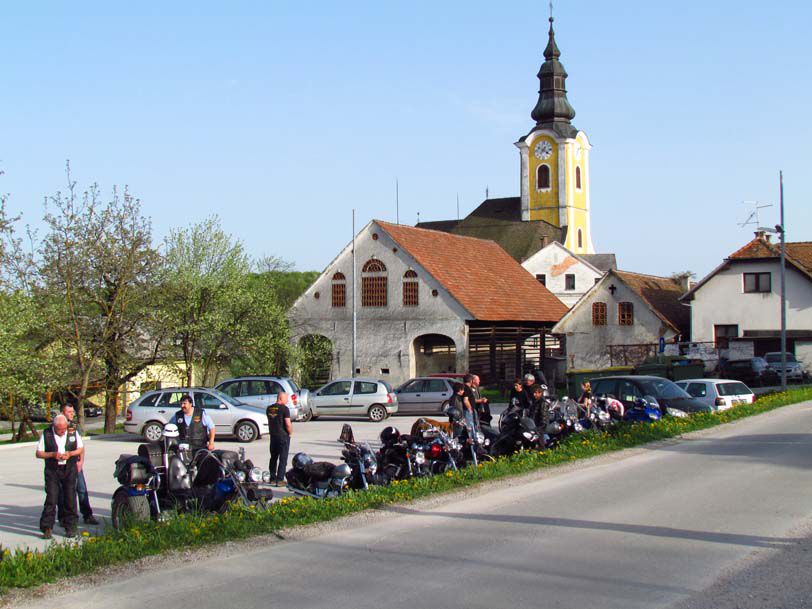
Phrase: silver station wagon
(148, 414)
(360, 397)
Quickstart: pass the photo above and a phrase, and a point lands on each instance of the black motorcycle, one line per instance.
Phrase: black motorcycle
(317, 479)
(166, 476)
(517, 432)
(363, 465)
(401, 456)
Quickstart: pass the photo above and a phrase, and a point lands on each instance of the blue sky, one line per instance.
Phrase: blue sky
(282, 117)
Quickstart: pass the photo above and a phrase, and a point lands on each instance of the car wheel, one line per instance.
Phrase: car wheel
(376, 413)
(308, 416)
(153, 431)
(246, 431)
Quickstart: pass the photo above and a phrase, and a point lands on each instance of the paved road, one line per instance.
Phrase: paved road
(21, 482)
(650, 529)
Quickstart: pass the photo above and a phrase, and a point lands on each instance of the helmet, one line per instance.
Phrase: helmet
(171, 431)
(301, 460)
(390, 435)
(454, 414)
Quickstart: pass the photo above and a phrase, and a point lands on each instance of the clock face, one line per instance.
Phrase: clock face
(543, 150)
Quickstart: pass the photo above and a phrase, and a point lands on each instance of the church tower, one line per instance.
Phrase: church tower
(555, 159)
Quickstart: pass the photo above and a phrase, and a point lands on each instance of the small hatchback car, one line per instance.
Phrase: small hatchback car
(149, 413)
(721, 394)
(364, 397)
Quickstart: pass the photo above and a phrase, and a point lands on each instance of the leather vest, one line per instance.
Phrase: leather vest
(195, 433)
(51, 447)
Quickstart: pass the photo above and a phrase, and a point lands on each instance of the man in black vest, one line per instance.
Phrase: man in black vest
(60, 448)
(195, 427)
(281, 429)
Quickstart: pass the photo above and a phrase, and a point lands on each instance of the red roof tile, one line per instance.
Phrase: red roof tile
(479, 274)
(799, 253)
(662, 294)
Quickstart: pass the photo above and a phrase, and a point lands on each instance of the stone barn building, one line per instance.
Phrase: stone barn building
(426, 302)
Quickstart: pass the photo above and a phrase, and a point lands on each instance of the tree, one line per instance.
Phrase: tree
(95, 272)
(205, 300)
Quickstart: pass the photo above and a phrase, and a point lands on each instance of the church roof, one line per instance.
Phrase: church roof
(602, 262)
(442, 225)
(500, 220)
(479, 274)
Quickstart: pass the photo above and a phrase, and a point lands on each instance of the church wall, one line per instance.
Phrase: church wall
(555, 262)
(544, 204)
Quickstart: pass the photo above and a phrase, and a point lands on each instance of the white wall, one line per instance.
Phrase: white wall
(385, 334)
(555, 261)
(722, 301)
(587, 345)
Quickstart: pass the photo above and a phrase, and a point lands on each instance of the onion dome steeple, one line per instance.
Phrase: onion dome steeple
(553, 110)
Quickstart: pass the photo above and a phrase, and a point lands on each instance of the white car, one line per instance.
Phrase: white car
(720, 394)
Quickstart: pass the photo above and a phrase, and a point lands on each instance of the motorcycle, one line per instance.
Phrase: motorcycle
(517, 432)
(166, 476)
(643, 411)
(317, 479)
(363, 465)
(400, 457)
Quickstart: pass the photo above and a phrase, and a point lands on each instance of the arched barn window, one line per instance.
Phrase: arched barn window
(411, 296)
(339, 290)
(373, 284)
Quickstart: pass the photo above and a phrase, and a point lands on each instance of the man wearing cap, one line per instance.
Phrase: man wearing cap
(194, 425)
(61, 449)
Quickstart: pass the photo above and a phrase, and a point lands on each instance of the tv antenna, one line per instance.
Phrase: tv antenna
(753, 218)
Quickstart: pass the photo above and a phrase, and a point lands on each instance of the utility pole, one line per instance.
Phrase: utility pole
(354, 307)
(780, 229)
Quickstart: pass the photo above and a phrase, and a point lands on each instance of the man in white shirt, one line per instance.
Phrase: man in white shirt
(60, 448)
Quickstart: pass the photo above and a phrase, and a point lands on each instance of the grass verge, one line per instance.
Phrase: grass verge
(24, 568)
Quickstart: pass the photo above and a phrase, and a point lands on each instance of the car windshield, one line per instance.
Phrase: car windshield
(775, 358)
(663, 388)
(226, 398)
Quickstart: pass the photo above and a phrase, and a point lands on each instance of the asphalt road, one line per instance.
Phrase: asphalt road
(668, 525)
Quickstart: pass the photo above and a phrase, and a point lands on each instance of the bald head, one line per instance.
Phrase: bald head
(60, 424)
(282, 398)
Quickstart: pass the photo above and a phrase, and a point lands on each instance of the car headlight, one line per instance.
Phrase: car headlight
(420, 457)
(240, 476)
(266, 477)
(255, 475)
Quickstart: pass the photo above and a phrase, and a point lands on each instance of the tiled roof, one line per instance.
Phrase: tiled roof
(602, 262)
(799, 253)
(479, 274)
(662, 294)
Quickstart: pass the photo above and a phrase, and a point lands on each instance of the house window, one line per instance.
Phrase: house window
(580, 239)
(410, 290)
(578, 178)
(373, 284)
(625, 314)
(569, 282)
(339, 293)
(722, 334)
(543, 177)
(598, 313)
(542, 279)
(757, 282)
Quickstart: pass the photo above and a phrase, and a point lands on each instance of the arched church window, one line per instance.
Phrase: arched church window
(339, 292)
(543, 177)
(411, 297)
(373, 284)
(580, 239)
(578, 178)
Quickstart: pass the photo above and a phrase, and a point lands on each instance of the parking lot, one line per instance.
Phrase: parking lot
(22, 494)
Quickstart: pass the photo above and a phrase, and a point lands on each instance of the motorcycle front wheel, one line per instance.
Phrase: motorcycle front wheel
(126, 509)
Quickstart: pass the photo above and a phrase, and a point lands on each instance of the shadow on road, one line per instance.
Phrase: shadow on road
(24, 519)
(788, 450)
(739, 539)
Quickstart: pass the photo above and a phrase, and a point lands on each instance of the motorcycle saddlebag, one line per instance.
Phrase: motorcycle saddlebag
(132, 469)
(152, 452)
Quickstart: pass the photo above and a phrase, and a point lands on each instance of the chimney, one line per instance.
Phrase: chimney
(760, 234)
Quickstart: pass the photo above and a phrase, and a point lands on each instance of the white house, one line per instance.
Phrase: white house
(621, 319)
(427, 302)
(740, 300)
(567, 275)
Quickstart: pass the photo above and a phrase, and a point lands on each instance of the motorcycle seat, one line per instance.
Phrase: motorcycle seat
(320, 470)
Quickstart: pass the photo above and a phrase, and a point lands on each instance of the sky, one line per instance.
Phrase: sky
(282, 117)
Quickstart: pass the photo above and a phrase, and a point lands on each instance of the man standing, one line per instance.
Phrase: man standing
(470, 402)
(539, 409)
(483, 407)
(281, 429)
(195, 426)
(81, 484)
(60, 449)
(527, 391)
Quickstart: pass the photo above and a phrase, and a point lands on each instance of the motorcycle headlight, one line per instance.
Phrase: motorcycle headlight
(266, 477)
(578, 427)
(420, 457)
(480, 437)
(372, 468)
(453, 443)
(255, 475)
(240, 476)
(528, 435)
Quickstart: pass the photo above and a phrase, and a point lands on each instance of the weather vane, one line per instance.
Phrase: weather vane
(551, 10)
